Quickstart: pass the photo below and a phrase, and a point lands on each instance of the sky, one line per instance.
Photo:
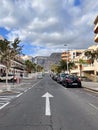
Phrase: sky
(48, 26)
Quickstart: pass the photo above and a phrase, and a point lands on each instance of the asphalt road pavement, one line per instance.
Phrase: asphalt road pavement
(47, 105)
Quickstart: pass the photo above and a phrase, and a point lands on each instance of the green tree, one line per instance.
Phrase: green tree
(30, 66)
(54, 68)
(71, 65)
(81, 62)
(91, 55)
(39, 68)
(63, 65)
(8, 51)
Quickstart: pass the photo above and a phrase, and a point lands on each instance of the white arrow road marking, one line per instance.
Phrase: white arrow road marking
(47, 110)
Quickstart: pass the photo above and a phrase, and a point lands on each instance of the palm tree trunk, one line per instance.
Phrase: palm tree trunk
(80, 71)
(8, 88)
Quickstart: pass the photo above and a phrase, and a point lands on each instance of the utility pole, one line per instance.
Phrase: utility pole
(67, 58)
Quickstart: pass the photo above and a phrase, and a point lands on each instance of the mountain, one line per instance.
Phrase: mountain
(54, 58)
(47, 62)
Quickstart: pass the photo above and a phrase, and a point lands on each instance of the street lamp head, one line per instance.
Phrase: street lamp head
(65, 45)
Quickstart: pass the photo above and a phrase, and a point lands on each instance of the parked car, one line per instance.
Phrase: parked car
(61, 77)
(10, 78)
(71, 81)
(54, 77)
(39, 76)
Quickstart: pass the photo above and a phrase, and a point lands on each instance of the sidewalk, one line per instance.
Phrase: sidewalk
(90, 85)
(9, 87)
(12, 87)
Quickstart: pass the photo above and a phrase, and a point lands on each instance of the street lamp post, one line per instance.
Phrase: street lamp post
(67, 59)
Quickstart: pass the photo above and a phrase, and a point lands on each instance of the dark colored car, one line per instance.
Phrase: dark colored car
(71, 81)
(55, 77)
(61, 77)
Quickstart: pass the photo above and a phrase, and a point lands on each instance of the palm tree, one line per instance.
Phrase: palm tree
(91, 55)
(63, 65)
(55, 68)
(8, 51)
(39, 68)
(81, 62)
(71, 65)
(30, 66)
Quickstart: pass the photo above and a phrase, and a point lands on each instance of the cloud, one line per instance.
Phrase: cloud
(50, 24)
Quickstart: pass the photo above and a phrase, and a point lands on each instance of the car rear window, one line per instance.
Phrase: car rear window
(62, 75)
(73, 77)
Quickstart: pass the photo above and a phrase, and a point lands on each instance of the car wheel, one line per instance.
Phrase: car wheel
(63, 83)
(66, 85)
(80, 86)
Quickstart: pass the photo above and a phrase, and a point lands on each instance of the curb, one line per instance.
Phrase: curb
(94, 90)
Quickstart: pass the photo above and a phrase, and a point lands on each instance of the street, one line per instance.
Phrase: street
(46, 105)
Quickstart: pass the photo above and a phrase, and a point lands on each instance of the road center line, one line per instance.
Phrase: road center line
(4, 105)
(93, 106)
(19, 95)
(36, 83)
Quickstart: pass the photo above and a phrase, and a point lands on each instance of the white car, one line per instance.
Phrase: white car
(39, 76)
(11, 78)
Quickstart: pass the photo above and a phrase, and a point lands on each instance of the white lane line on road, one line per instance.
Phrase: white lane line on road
(93, 106)
(35, 84)
(19, 95)
(5, 99)
(4, 105)
(31, 87)
(26, 90)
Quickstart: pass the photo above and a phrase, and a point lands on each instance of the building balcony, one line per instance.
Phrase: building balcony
(89, 68)
(96, 28)
(96, 38)
(68, 55)
(75, 71)
(66, 58)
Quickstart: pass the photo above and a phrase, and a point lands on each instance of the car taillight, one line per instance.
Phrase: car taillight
(79, 79)
(14, 77)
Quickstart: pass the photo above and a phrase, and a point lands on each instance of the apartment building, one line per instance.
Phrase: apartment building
(18, 66)
(71, 55)
(66, 56)
(96, 29)
(88, 69)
